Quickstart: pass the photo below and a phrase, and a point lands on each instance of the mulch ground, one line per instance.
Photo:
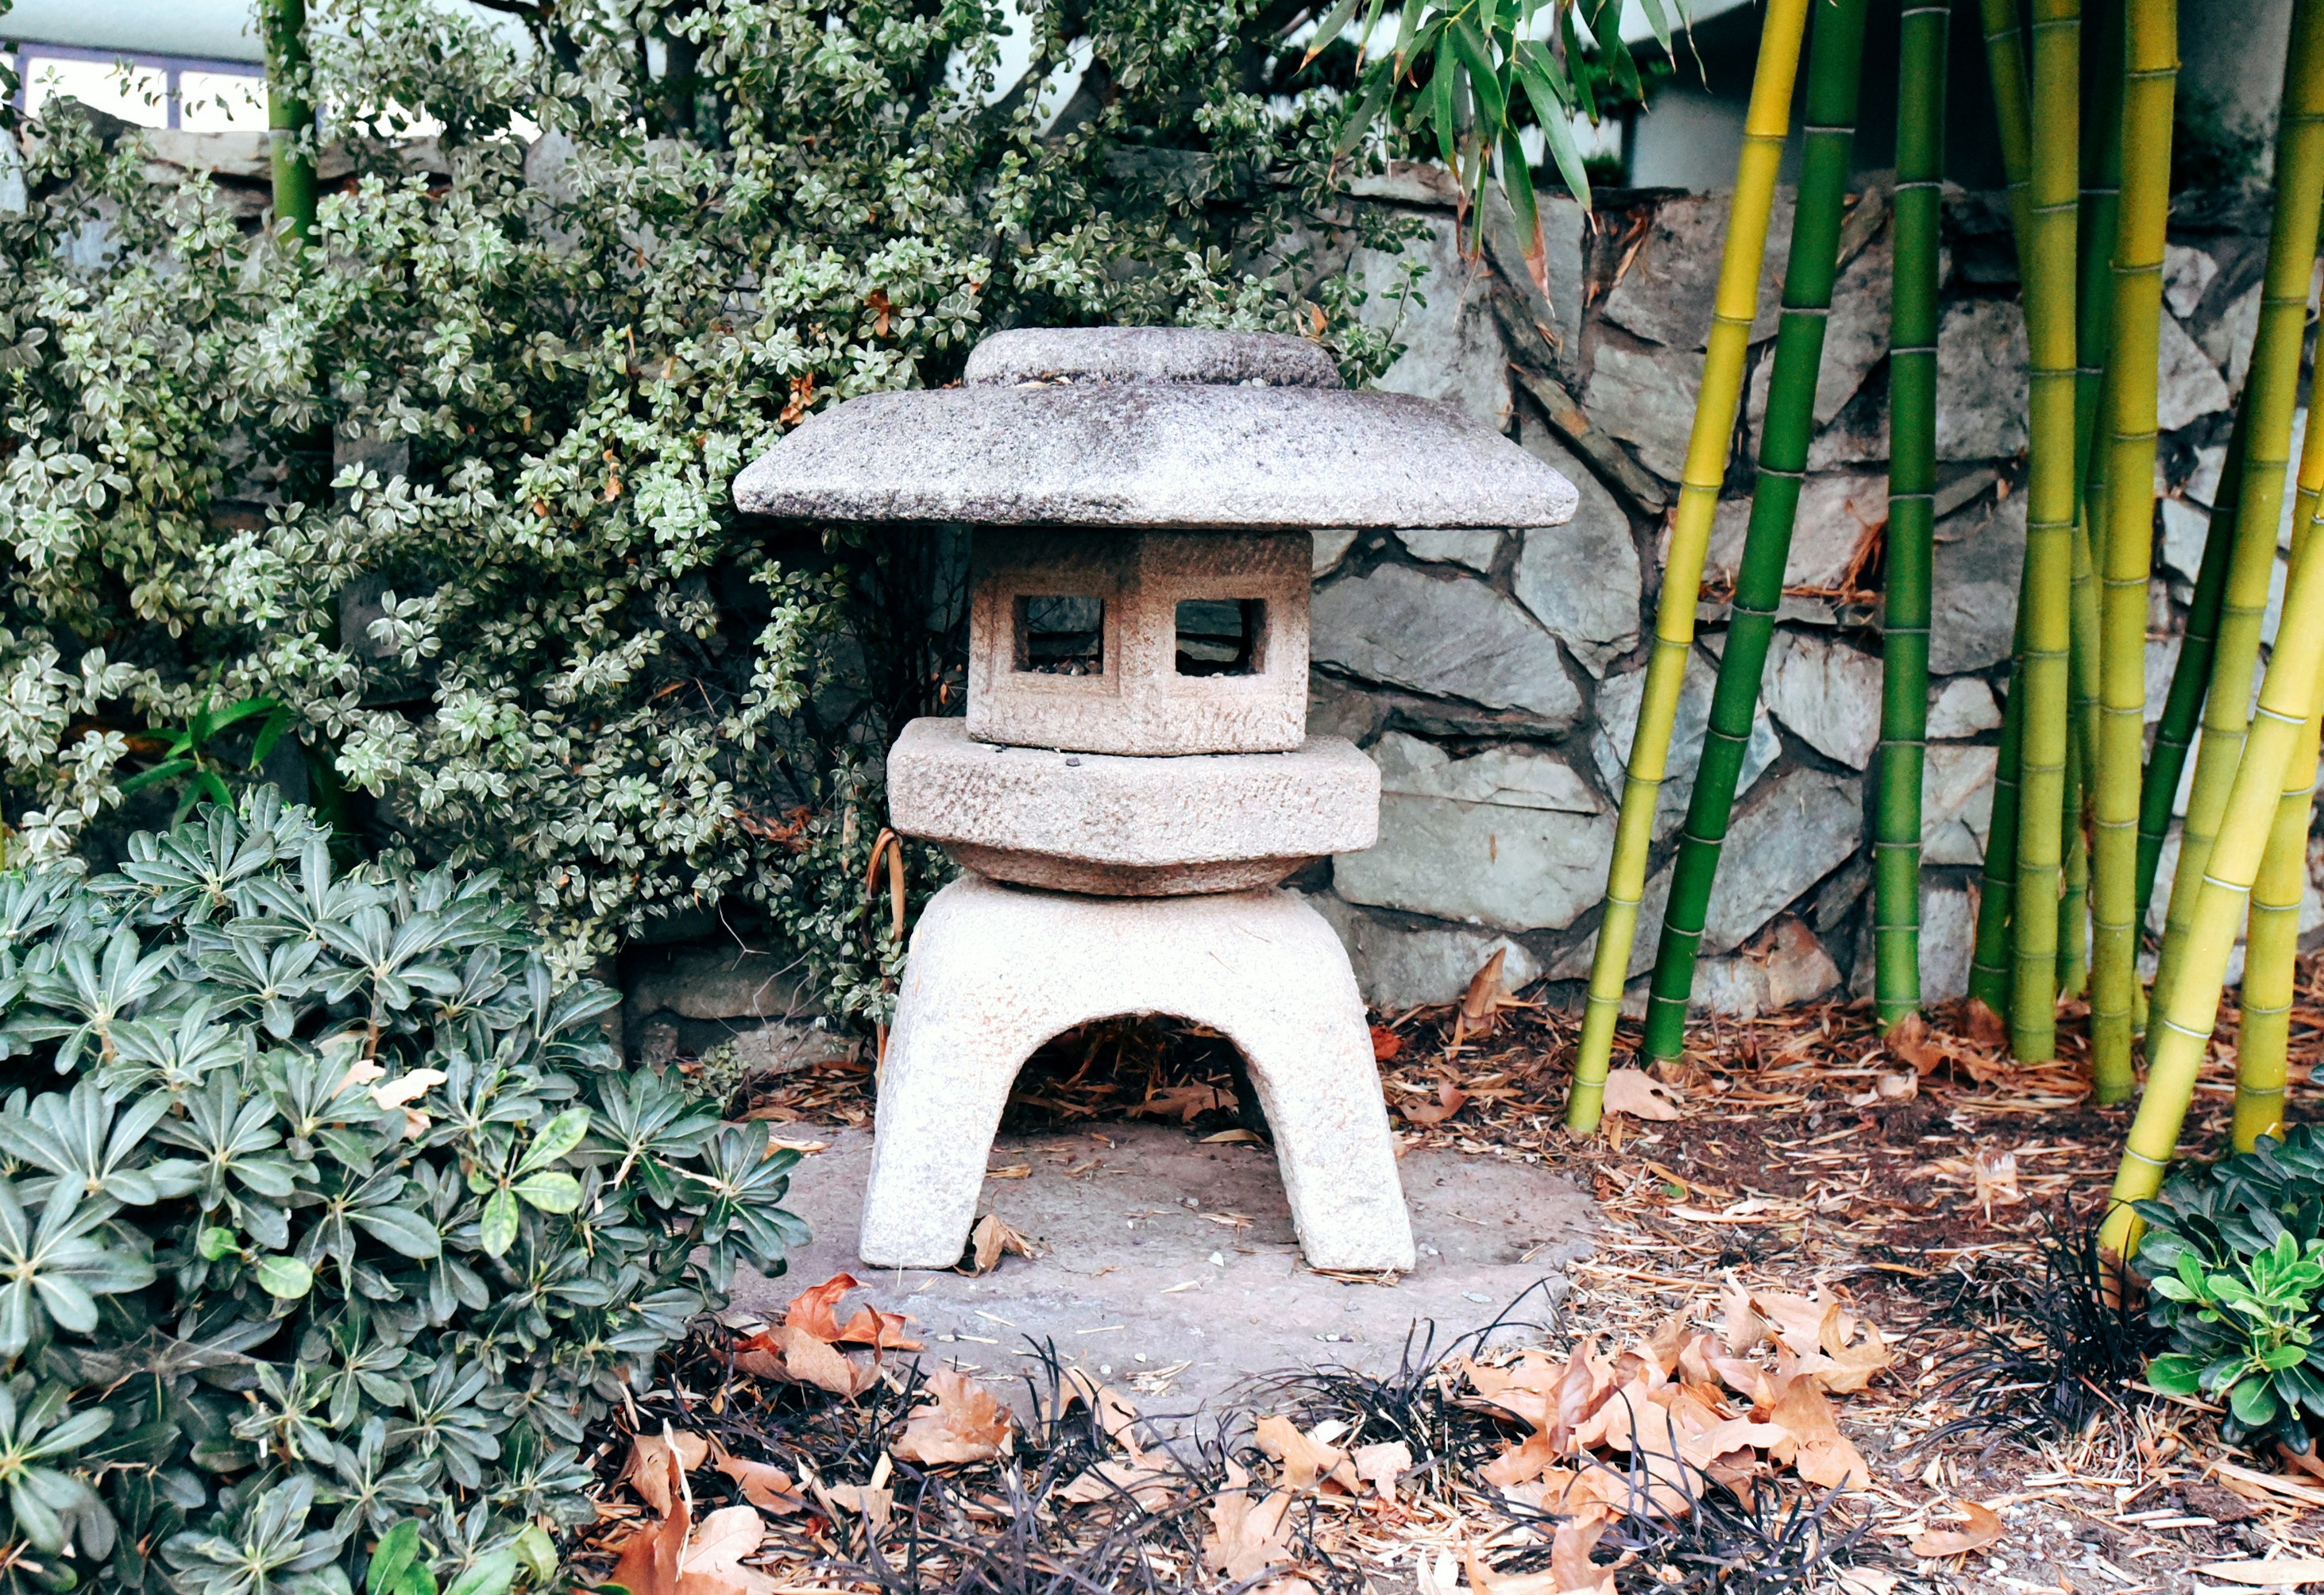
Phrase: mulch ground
(1921, 1194)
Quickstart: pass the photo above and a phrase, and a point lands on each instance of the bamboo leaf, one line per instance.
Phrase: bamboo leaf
(1407, 27)
(1659, 20)
(1492, 105)
(1440, 98)
(1335, 23)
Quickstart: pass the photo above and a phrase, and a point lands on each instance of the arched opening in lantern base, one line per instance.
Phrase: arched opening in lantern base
(997, 970)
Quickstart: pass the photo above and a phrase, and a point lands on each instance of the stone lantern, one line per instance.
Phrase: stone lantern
(1133, 778)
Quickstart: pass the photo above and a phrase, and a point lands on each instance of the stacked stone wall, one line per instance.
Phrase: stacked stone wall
(1495, 676)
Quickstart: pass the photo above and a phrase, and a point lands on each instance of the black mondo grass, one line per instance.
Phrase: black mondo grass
(2051, 1352)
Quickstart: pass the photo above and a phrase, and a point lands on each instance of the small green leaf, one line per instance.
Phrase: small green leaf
(284, 1277)
(496, 1231)
(2253, 1401)
(398, 1548)
(539, 1552)
(559, 1135)
(215, 1243)
(488, 1575)
(550, 1191)
(2175, 1374)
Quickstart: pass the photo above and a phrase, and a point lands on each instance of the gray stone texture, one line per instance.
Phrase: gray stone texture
(1446, 636)
(1646, 397)
(1474, 548)
(1827, 693)
(1666, 291)
(1402, 966)
(1581, 580)
(1790, 834)
(1165, 454)
(1452, 344)
(1135, 701)
(994, 970)
(1508, 838)
(1130, 826)
(1973, 598)
(1133, 1277)
(1148, 355)
(1838, 514)
(1618, 720)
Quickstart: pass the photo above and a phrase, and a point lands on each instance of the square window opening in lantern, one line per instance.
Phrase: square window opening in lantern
(1221, 636)
(1060, 634)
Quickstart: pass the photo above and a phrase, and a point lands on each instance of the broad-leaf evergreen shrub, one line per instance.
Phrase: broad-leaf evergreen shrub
(324, 1205)
(512, 612)
(2234, 1257)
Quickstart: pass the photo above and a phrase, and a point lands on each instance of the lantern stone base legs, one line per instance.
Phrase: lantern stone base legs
(995, 971)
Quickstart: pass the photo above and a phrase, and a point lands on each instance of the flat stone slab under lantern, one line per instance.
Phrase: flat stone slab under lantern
(1133, 776)
(1124, 826)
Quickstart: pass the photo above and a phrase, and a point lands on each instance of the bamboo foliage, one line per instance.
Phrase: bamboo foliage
(2150, 79)
(2052, 191)
(1912, 512)
(1765, 123)
(2272, 391)
(1834, 62)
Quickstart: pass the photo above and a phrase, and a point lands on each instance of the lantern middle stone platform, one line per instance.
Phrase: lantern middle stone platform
(1133, 779)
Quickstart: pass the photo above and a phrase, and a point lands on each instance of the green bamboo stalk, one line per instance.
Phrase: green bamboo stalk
(2189, 985)
(2273, 390)
(2101, 205)
(1989, 963)
(2074, 878)
(2004, 60)
(1765, 123)
(290, 114)
(2051, 495)
(2150, 80)
(2192, 675)
(2081, 742)
(1988, 969)
(1835, 57)
(1912, 512)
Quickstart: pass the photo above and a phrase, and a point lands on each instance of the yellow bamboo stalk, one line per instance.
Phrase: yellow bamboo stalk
(2180, 1035)
(2150, 88)
(2051, 496)
(2272, 938)
(2271, 949)
(2273, 390)
(1765, 125)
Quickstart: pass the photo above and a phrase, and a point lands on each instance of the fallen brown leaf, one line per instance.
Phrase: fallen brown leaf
(1639, 1095)
(788, 1352)
(650, 1457)
(1450, 1100)
(713, 1563)
(991, 1240)
(1387, 1045)
(2282, 1572)
(856, 1502)
(1247, 1537)
(763, 1484)
(1151, 1487)
(1307, 1462)
(1184, 1102)
(1819, 1451)
(1908, 1042)
(1381, 1465)
(965, 1423)
(1984, 1528)
(1987, 1029)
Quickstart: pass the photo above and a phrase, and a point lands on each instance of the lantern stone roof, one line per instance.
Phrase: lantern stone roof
(1152, 427)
